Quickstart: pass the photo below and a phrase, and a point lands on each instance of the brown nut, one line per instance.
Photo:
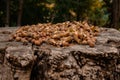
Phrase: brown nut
(91, 43)
(37, 42)
(84, 42)
(24, 40)
(18, 38)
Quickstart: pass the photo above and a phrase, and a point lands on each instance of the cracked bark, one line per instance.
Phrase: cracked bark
(46, 62)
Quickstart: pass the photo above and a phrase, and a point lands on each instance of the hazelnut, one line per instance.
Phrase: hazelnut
(84, 42)
(18, 38)
(24, 40)
(37, 42)
(91, 43)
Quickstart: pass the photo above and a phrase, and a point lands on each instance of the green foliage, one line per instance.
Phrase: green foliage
(42, 11)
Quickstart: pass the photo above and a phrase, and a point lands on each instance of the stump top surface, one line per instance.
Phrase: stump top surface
(106, 43)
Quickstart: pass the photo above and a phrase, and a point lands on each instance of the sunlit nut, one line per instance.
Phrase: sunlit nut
(33, 40)
(24, 40)
(91, 43)
(43, 34)
(86, 26)
(84, 42)
(29, 34)
(37, 42)
(96, 33)
(97, 29)
(64, 34)
(44, 39)
(23, 34)
(19, 30)
(29, 39)
(67, 39)
(52, 41)
(93, 39)
(18, 38)
(19, 34)
(11, 38)
(14, 36)
(64, 43)
(55, 36)
(81, 35)
(35, 36)
(76, 37)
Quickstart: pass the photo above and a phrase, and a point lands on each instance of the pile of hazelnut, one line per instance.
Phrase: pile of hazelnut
(60, 34)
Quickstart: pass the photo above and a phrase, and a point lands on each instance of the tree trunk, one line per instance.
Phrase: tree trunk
(7, 13)
(20, 10)
(108, 6)
(115, 13)
(78, 11)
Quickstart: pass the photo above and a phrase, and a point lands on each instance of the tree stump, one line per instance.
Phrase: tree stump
(20, 61)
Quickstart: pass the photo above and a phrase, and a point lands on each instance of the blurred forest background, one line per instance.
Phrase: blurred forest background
(105, 13)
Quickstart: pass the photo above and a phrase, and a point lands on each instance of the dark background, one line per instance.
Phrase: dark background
(104, 13)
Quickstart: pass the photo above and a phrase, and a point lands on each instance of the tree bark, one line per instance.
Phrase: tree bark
(20, 10)
(114, 9)
(7, 13)
(78, 11)
(115, 13)
(108, 6)
(47, 62)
